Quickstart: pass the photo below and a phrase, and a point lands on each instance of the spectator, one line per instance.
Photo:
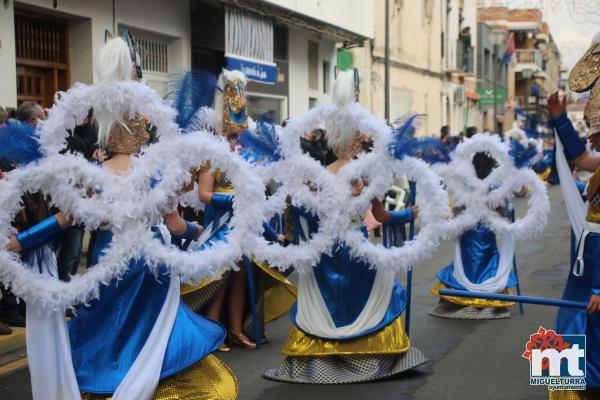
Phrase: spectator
(3, 116)
(35, 209)
(445, 136)
(471, 131)
(30, 112)
(81, 141)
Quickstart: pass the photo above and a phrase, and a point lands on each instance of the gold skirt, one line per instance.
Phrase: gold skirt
(208, 379)
(468, 302)
(588, 394)
(280, 294)
(390, 340)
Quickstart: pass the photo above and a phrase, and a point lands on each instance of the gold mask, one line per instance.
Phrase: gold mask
(235, 119)
(583, 77)
(128, 137)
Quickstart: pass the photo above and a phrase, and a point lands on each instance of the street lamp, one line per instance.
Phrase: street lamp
(497, 37)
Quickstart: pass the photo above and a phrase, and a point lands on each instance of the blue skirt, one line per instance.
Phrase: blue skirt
(345, 284)
(480, 259)
(577, 322)
(107, 336)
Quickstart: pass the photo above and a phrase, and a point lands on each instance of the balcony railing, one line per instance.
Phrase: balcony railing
(529, 56)
(464, 57)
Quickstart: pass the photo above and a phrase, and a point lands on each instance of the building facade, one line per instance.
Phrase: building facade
(46, 49)
(538, 68)
(287, 48)
(432, 63)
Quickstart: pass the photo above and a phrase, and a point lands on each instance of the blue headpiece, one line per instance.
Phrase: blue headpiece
(189, 92)
(405, 144)
(19, 144)
(263, 144)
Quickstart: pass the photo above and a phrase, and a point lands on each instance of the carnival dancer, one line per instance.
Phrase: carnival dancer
(347, 320)
(110, 336)
(583, 282)
(479, 259)
(272, 293)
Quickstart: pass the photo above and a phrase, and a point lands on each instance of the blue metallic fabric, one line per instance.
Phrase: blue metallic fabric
(222, 201)
(346, 283)
(401, 217)
(269, 233)
(568, 136)
(191, 230)
(479, 256)
(107, 336)
(545, 162)
(39, 233)
(576, 321)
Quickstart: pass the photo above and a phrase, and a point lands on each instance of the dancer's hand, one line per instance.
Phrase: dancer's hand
(415, 211)
(594, 305)
(14, 245)
(556, 105)
(200, 231)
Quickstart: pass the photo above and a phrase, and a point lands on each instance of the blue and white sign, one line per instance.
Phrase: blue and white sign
(256, 71)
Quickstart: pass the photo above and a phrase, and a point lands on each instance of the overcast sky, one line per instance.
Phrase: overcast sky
(573, 23)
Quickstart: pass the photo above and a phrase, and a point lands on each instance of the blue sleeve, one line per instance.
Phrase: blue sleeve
(401, 217)
(221, 201)
(569, 137)
(39, 233)
(269, 233)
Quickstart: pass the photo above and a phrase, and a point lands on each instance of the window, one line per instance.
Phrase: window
(312, 102)
(313, 65)
(280, 43)
(326, 77)
(486, 64)
(153, 50)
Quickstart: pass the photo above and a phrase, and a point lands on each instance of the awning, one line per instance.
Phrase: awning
(472, 95)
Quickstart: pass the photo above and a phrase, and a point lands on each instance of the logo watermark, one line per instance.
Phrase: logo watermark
(556, 361)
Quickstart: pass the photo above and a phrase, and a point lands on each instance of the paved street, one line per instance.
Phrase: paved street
(468, 359)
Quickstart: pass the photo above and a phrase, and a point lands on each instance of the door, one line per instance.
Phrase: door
(42, 57)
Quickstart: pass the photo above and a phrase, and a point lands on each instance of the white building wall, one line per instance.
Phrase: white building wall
(299, 92)
(8, 68)
(88, 20)
(352, 15)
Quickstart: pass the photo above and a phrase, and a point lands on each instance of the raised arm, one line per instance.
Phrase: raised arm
(574, 147)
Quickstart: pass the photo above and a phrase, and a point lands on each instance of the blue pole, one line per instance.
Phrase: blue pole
(252, 295)
(521, 310)
(411, 235)
(511, 297)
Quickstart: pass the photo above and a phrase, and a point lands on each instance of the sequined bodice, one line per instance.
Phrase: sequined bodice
(593, 191)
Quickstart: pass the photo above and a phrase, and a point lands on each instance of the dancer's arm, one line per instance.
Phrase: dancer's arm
(206, 182)
(407, 215)
(38, 233)
(569, 137)
(182, 228)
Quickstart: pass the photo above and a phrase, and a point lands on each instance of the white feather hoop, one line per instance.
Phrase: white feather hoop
(129, 205)
(332, 198)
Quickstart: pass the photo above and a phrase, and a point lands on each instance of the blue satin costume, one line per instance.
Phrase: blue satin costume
(479, 256)
(580, 288)
(107, 335)
(345, 282)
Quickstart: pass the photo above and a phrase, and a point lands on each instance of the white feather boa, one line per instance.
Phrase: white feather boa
(481, 196)
(129, 204)
(332, 199)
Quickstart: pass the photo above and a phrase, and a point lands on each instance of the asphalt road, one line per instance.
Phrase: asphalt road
(467, 359)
